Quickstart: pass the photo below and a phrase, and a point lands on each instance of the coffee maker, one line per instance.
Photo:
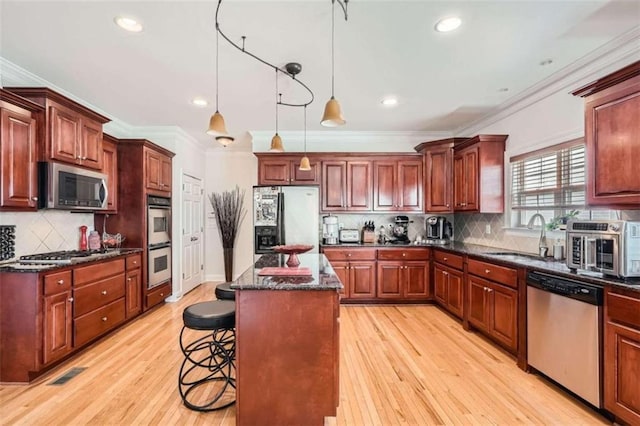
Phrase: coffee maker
(439, 229)
(330, 230)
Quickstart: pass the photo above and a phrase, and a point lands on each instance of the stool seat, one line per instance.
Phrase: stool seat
(210, 315)
(225, 292)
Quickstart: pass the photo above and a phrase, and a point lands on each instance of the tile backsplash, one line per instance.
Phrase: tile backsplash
(356, 221)
(46, 230)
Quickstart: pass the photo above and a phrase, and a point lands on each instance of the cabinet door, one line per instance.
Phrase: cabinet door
(439, 180)
(471, 179)
(274, 172)
(57, 326)
(454, 292)
(165, 173)
(478, 298)
(305, 177)
(110, 168)
(334, 185)
(341, 269)
(504, 315)
(458, 182)
(385, 185)
(621, 372)
(153, 167)
(612, 137)
(416, 280)
(409, 188)
(91, 144)
(440, 286)
(359, 185)
(18, 155)
(65, 135)
(133, 295)
(390, 278)
(362, 280)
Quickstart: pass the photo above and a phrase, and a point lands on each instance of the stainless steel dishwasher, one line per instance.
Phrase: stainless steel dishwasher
(563, 333)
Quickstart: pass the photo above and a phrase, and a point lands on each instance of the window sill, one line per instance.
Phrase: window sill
(525, 232)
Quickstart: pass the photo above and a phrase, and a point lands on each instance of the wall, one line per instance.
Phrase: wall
(356, 221)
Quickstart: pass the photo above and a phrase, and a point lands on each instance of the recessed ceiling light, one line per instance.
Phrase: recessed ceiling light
(199, 102)
(448, 24)
(546, 62)
(389, 101)
(127, 23)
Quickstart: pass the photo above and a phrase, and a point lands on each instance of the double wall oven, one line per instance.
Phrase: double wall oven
(159, 240)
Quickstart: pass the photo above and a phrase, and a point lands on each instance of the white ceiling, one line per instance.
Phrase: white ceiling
(442, 81)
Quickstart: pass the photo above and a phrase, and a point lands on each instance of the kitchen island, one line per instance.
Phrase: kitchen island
(287, 342)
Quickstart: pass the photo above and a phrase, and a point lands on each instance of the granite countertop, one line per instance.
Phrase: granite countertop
(527, 260)
(16, 266)
(322, 275)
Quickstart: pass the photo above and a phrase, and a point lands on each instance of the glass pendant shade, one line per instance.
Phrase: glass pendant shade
(276, 144)
(304, 164)
(217, 127)
(224, 140)
(332, 114)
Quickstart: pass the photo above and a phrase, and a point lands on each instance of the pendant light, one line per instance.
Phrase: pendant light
(304, 162)
(276, 141)
(217, 128)
(332, 115)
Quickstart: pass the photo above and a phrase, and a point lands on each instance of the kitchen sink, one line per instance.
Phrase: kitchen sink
(513, 255)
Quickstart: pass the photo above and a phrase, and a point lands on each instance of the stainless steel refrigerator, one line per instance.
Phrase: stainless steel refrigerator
(285, 215)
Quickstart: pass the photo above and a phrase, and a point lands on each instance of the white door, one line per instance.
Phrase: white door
(192, 232)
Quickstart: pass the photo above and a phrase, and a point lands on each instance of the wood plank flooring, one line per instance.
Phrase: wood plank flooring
(411, 365)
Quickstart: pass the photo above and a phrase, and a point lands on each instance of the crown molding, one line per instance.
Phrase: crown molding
(615, 54)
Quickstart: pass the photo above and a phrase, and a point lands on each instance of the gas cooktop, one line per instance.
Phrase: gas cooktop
(64, 257)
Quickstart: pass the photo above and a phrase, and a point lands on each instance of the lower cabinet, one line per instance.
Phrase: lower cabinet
(156, 295)
(358, 279)
(403, 280)
(622, 355)
(447, 288)
(133, 286)
(58, 316)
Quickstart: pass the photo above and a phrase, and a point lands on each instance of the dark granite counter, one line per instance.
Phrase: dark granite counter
(322, 275)
(108, 254)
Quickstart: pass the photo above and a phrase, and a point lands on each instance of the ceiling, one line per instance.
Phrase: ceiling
(443, 81)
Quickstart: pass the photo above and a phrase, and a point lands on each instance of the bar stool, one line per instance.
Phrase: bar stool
(225, 292)
(207, 375)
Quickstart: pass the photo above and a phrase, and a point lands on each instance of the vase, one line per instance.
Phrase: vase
(228, 264)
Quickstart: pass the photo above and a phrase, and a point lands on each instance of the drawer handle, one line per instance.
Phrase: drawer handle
(104, 319)
(60, 282)
(486, 271)
(104, 292)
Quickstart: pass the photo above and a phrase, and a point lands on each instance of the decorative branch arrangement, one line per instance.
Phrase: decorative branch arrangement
(229, 211)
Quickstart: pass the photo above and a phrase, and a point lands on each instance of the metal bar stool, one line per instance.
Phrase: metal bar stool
(207, 375)
(225, 292)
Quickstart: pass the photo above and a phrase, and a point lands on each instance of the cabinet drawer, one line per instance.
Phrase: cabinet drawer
(623, 309)
(95, 323)
(447, 258)
(158, 294)
(350, 254)
(96, 295)
(56, 283)
(421, 253)
(134, 261)
(95, 272)
(501, 274)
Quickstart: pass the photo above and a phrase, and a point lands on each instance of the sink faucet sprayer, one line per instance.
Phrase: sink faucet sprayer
(542, 244)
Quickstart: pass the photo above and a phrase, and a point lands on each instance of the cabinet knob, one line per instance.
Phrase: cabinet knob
(161, 294)
(404, 254)
(34, 198)
(445, 258)
(104, 319)
(489, 290)
(60, 282)
(447, 205)
(487, 271)
(104, 292)
(445, 273)
(348, 254)
(135, 262)
(128, 279)
(70, 299)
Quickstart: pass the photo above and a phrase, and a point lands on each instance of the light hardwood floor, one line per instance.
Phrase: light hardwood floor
(399, 365)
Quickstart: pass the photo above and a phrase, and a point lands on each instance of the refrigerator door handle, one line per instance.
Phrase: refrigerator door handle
(280, 220)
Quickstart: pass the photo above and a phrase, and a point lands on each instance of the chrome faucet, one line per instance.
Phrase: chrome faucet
(542, 244)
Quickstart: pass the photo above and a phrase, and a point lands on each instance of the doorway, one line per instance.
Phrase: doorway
(192, 232)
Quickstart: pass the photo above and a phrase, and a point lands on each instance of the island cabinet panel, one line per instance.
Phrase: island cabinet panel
(288, 376)
(612, 137)
(622, 354)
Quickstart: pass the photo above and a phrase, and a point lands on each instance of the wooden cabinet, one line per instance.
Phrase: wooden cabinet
(57, 316)
(157, 172)
(110, 168)
(346, 185)
(448, 282)
(356, 269)
(493, 305)
(285, 170)
(403, 274)
(612, 138)
(478, 174)
(622, 354)
(18, 161)
(70, 132)
(133, 283)
(397, 185)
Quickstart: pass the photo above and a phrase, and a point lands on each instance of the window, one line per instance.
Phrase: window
(551, 182)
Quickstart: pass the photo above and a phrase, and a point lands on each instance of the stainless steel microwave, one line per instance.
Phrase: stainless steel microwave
(65, 187)
(608, 246)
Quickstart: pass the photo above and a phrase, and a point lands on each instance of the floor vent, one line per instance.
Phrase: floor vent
(67, 376)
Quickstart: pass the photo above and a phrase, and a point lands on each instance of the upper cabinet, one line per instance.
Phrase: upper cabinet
(157, 174)
(612, 138)
(71, 133)
(110, 168)
(478, 174)
(346, 185)
(279, 169)
(18, 137)
(397, 184)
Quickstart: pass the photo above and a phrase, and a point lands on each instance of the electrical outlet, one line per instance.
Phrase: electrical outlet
(487, 229)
